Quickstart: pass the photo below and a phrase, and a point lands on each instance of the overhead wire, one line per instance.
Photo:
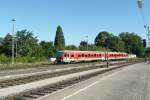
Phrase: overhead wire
(146, 25)
(140, 7)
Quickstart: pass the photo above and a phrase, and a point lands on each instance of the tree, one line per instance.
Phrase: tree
(71, 47)
(133, 43)
(147, 52)
(1, 45)
(27, 43)
(39, 52)
(83, 46)
(1, 40)
(93, 47)
(48, 48)
(100, 38)
(59, 42)
(90, 47)
(116, 44)
(6, 45)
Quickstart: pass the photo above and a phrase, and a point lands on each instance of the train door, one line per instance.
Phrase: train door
(72, 57)
(67, 57)
(102, 56)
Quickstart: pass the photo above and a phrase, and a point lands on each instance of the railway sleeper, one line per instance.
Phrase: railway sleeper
(46, 91)
(31, 96)
(23, 98)
(38, 93)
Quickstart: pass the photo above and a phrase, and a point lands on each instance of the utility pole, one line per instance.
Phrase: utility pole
(13, 20)
(106, 47)
(16, 45)
(148, 35)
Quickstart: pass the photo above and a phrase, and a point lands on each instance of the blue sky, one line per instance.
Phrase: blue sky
(78, 18)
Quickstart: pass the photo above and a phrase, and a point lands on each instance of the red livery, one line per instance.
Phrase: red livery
(68, 56)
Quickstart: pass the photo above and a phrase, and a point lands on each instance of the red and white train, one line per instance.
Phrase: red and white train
(68, 56)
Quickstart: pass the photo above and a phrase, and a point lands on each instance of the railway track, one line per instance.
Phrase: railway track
(36, 93)
(32, 78)
(22, 69)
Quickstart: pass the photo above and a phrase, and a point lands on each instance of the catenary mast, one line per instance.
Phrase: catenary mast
(146, 26)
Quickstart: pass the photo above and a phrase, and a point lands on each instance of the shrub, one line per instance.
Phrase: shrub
(4, 59)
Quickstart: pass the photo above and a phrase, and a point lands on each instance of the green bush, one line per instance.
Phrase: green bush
(4, 59)
(29, 59)
(19, 60)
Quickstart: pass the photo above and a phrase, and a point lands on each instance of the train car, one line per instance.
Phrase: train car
(68, 56)
(117, 55)
(131, 56)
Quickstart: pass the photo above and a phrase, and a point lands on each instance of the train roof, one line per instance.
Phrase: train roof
(90, 51)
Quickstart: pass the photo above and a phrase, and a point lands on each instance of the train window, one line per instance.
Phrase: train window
(79, 55)
(65, 55)
(94, 55)
(72, 55)
(85, 55)
(97, 55)
(100, 55)
(88, 55)
(82, 55)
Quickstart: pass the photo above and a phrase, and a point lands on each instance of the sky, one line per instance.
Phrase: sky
(78, 18)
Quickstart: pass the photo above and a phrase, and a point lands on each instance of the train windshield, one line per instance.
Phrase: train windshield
(59, 54)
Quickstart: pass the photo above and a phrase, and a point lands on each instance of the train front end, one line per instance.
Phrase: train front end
(59, 56)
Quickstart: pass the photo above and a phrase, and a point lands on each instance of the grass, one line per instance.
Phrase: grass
(22, 62)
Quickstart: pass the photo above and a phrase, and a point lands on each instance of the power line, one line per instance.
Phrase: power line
(146, 26)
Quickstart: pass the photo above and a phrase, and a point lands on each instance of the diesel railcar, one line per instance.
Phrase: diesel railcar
(68, 56)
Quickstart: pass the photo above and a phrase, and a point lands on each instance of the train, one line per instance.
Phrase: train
(68, 56)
